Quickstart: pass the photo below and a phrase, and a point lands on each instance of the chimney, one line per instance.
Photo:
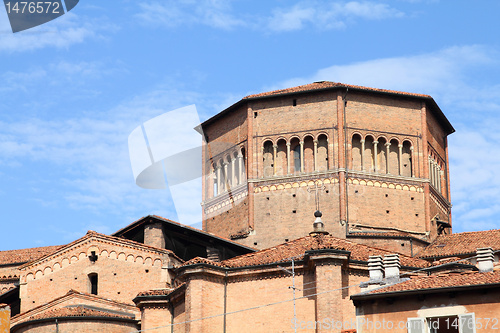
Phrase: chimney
(153, 235)
(376, 268)
(485, 259)
(391, 266)
(318, 226)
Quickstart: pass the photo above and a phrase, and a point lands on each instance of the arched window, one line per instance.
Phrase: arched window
(368, 157)
(394, 157)
(406, 161)
(297, 160)
(236, 169)
(268, 159)
(93, 280)
(308, 154)
(382, 155)
(281, 158)
(322, 158)
(356, 152)
(242, 169)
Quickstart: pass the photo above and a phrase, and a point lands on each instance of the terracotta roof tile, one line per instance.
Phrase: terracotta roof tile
(462, 243)
(77, 311)
(160, 292)
(70, 294)
(393, 234)
(443, 281)
(325, 85)
(25, 255)
(297, 249)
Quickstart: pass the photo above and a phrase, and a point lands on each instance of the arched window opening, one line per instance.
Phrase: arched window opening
(268, 159)
(435, 173)
(295, 147)
(322, 158)
(222, 177)
(236, 171)
(406, 160)
(93, 280)
(281, 158)
(308, 154)
(394, 157)
(242, 169)
(382, 155)
(356, 152)
(368, 157)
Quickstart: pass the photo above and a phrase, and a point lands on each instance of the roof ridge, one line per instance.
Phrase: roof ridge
(91, 234)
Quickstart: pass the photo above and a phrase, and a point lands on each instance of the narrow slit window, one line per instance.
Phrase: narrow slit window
(93, 283)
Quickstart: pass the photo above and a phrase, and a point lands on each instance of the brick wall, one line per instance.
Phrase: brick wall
(122, 273)
(276, 120)
(4, 318)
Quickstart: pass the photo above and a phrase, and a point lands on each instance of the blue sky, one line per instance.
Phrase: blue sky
(72, 90)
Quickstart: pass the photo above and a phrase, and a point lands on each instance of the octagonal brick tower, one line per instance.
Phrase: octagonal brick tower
(378, 158)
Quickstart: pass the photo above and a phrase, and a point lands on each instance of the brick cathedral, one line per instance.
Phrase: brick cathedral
(368, 166)
(379, 157)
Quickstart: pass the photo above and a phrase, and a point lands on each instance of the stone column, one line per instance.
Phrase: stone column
(375, 156)
(288, 158)
(233, 172)
(387, 152)
(362, 154)
(275, 153)
(225, 177)
(412, 164)
(329, 157)
(315, 155)
(218, 175)
(400, 158)
(261, 159)
(301, 156)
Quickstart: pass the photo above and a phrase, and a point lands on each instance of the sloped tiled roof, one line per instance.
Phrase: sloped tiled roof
(76, 311)
(160, 292)
(328, 84)
(386, 234)
(297, 248)
(22, 256)
(462, 243)
(448, 280)
(71, 294)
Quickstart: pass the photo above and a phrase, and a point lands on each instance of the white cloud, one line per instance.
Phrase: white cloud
(325, 16)
(62, 32)
(212, 13)
(441, 73)
(90, 155)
